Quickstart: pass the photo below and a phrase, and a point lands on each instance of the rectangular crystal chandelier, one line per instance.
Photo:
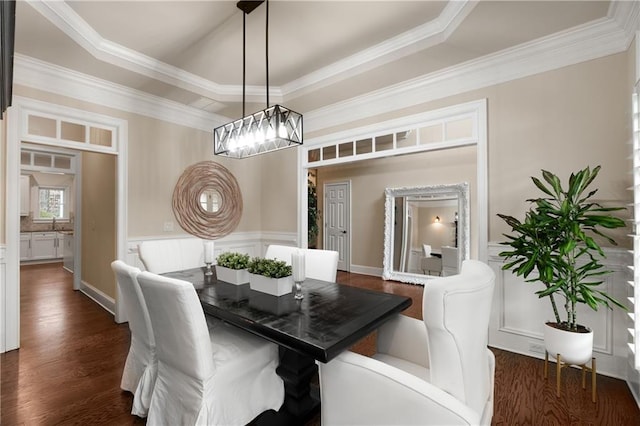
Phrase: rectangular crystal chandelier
(273, 128)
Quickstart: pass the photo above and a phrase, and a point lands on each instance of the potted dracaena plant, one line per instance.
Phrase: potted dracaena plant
(231, 267)
(270, 276)
(556, 245)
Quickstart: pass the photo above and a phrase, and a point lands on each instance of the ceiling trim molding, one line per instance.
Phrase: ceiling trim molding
(412, 41)
(590, 41)
(68, 21)
(44, 76)
(436, 31)
(594, 40)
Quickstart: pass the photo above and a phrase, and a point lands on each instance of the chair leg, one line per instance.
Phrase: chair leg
(558, 374)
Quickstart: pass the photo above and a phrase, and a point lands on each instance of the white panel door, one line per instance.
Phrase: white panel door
(337, 219)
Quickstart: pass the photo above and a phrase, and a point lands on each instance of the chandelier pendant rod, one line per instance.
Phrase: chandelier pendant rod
(266, 49)
(244, 59)
(268, 130)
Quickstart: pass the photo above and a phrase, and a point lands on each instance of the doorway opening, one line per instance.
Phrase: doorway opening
(58, 127)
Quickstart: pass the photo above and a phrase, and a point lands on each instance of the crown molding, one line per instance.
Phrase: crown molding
(606, 36)
(41, 75)
(412, 41)
(593, 40)
(626, 14)
(68, 21)
(421, 37)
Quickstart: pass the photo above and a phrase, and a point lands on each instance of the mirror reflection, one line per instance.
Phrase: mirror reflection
(426, 232)
(210, 200)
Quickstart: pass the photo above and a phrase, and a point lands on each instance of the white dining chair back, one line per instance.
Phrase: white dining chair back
(319, 264)
(280, 252)
(438, 371)
(139, 373)
(161, 256)
(207, 373)
(450, 260)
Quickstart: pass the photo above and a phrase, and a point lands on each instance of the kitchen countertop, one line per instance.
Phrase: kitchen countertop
(61, 231)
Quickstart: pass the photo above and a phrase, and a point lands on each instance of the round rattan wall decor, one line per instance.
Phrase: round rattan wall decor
(188, 205)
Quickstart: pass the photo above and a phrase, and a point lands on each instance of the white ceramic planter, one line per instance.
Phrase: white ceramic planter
(273, 286)
(232, 276)
(574, 348)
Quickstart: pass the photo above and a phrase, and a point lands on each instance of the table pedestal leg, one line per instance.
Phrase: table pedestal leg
(301, 397)
(296, 371)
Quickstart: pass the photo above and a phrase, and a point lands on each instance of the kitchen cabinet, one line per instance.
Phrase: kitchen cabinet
(45, 245)
(25, 195)
(67, 251)
(25, 246)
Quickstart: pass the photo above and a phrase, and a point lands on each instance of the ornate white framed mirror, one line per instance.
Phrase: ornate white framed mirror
(426, 232)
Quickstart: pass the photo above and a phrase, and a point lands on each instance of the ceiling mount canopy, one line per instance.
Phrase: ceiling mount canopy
(273, 128)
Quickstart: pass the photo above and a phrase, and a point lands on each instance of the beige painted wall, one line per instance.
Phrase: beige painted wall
(369, 179)
(278, 186)
(99, 220)
(428, 231)
(561, 120)
(3, 176)
(158, 153)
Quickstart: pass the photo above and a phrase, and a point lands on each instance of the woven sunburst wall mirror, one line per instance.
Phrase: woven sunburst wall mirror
(207, 201)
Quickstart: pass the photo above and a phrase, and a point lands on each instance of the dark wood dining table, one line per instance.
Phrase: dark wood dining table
(328, 320)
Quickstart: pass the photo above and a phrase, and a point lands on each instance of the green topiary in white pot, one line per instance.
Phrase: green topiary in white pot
(231, 267)
(270, 276)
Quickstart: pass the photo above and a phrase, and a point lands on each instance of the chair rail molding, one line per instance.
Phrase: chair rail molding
(518, 316)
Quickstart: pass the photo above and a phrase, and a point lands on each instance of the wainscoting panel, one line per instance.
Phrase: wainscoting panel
(518, 315)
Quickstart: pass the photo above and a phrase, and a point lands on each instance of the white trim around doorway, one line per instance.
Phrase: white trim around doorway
(10, 298)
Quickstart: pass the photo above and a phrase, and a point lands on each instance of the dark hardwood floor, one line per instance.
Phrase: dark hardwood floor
(68, 368)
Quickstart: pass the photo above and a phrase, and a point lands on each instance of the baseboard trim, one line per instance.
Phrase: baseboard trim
(108, 303)
(366, 270)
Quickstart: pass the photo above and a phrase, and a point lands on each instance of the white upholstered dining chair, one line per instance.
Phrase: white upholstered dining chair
(450, 260)
(436, 372)
(139, 373)
(216, 375)
(319, 264)
(161, 256)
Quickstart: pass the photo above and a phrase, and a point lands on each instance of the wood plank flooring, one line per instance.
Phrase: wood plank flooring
(67, 371)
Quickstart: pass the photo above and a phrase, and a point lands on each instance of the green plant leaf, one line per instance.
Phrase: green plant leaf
(556, 240)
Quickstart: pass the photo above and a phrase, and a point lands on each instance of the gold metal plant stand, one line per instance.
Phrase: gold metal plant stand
(560, 365)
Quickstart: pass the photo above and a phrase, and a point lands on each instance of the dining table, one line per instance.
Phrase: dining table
(329, 319)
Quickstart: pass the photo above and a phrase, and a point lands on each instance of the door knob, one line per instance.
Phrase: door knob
(344, 232)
